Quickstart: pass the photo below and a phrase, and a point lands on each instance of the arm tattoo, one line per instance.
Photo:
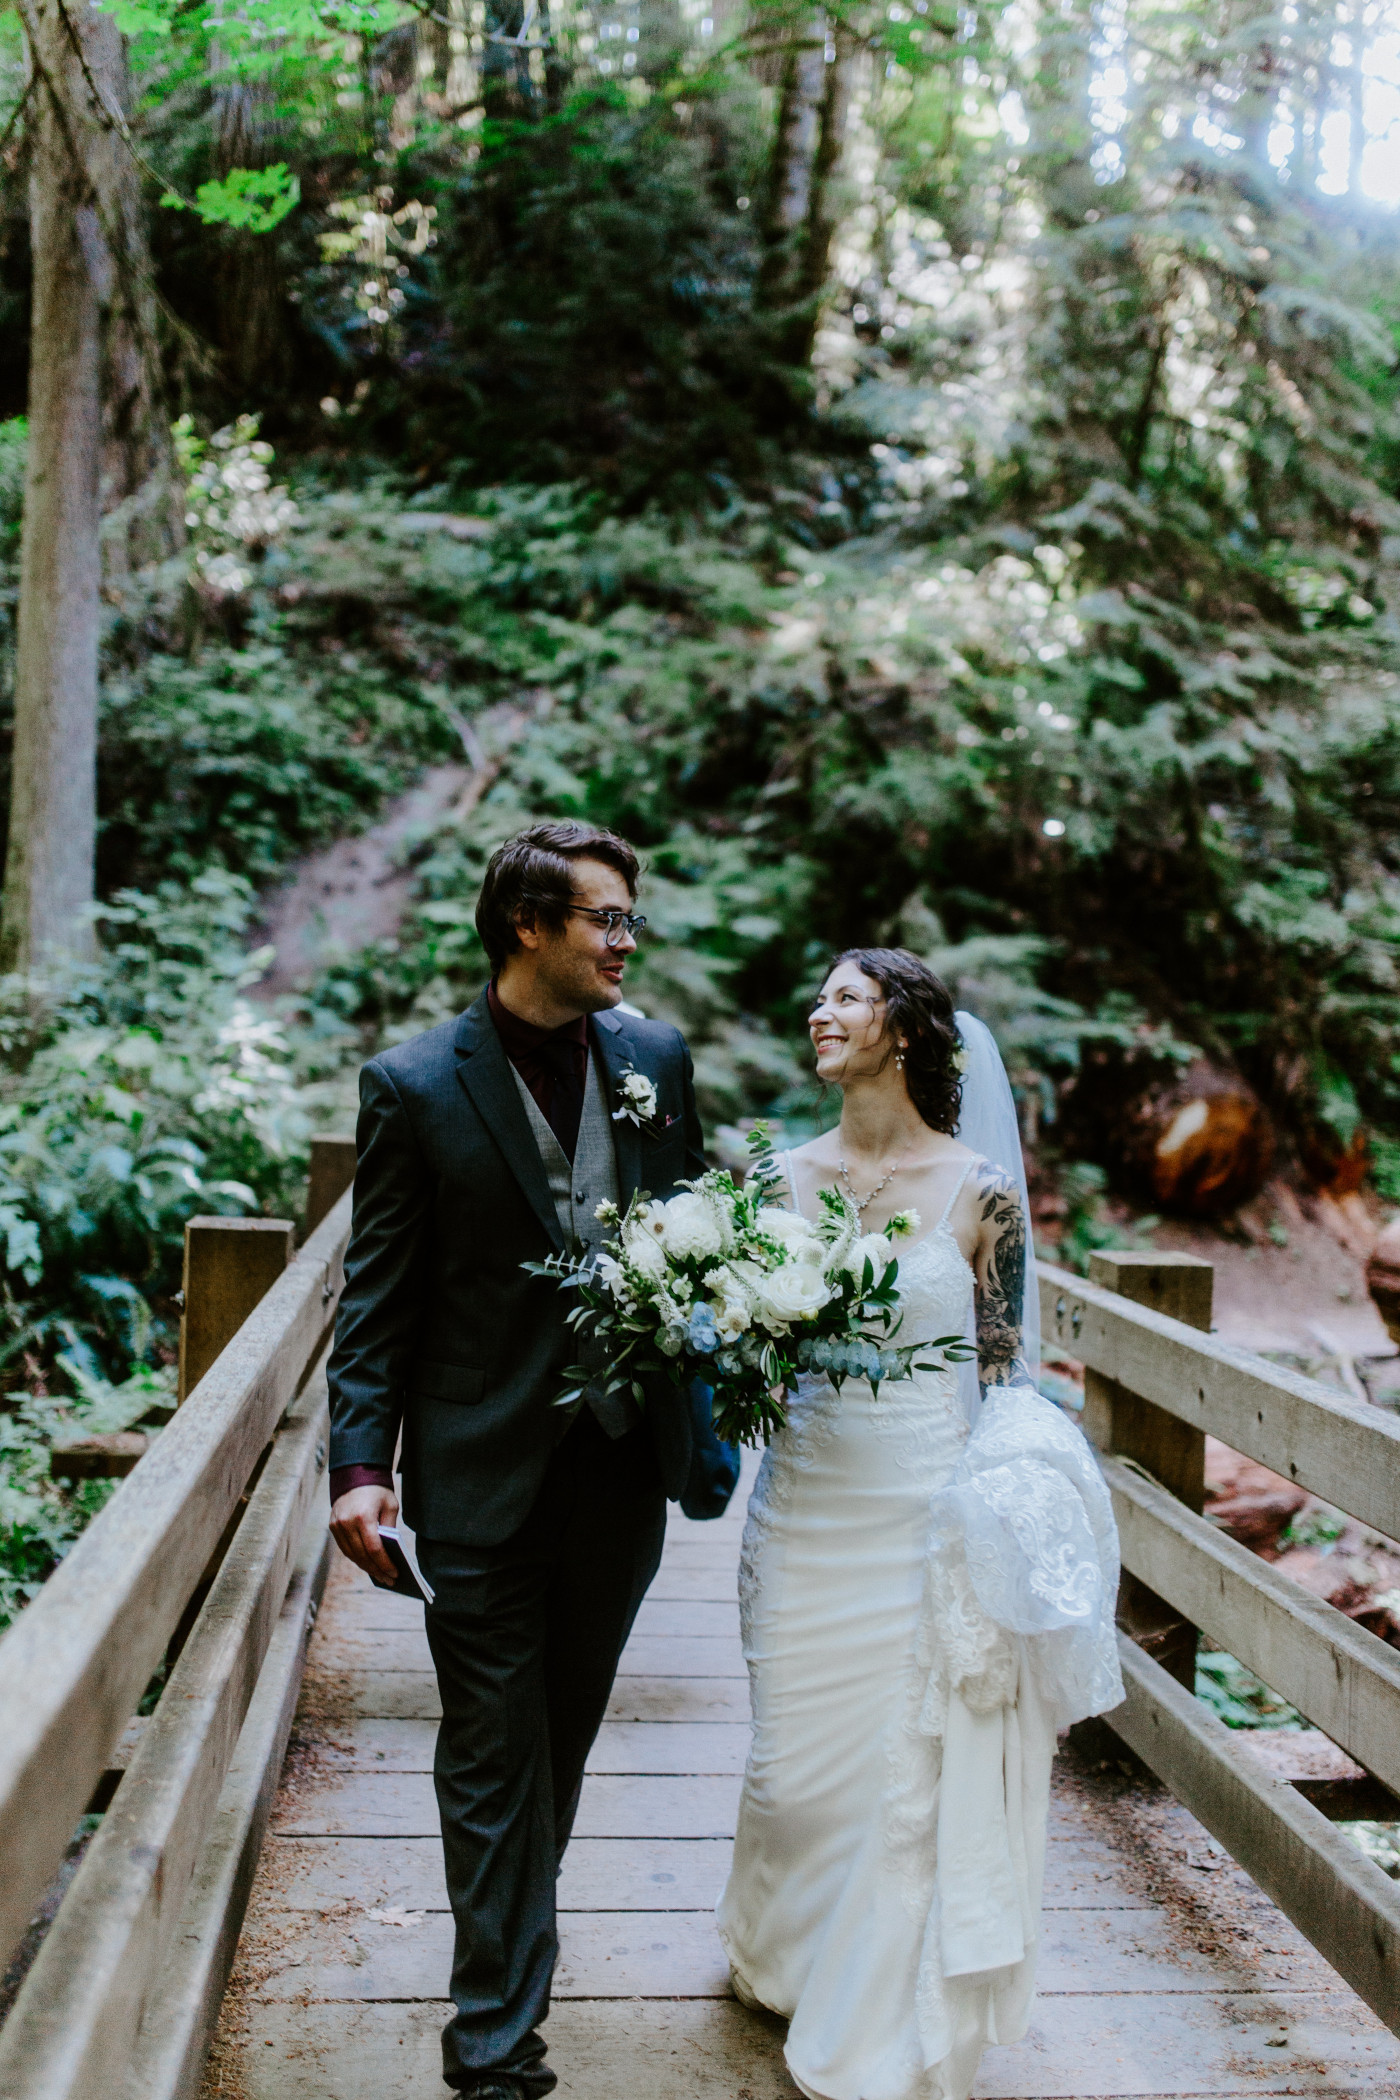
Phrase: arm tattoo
(1001, 1283)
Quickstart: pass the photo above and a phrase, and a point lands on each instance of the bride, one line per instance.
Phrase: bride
(927, 1592)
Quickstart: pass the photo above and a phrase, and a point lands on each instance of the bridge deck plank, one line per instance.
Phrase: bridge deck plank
(1165, 1972)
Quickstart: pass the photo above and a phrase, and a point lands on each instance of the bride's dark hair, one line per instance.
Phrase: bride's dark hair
(918, 1007)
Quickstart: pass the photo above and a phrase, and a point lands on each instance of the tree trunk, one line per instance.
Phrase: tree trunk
(53, 803)
(251, 323)
(815, 254)
(797, 225)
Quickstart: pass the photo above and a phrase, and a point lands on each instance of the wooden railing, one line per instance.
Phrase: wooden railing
(210, 1556)
(1154, 1386)
(212, 1552)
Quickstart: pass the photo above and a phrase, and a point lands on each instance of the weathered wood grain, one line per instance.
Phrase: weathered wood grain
(168, 2059)
(687, 1618)
(402, 1804)
(75, 1663)
(230, 1266)
(1337, 1447)
(1335, 1896)
(101, 1964)
(1138, 2047)
(1342, 1677)
(622, 1746)
(682, 1655)
(679, 1699)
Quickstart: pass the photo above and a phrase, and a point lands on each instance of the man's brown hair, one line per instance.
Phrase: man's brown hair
(531, 877)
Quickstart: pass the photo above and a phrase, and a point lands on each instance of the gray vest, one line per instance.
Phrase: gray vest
(577, 1191)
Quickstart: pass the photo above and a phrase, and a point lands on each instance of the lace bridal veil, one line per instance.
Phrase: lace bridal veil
(1026, 1511)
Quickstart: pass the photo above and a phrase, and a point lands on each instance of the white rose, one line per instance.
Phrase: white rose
(639, 1094)
(691, 1228)
(875, 1249)
(796, 1291)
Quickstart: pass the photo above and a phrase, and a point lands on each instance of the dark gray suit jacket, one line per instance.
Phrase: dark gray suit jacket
(439, 1327)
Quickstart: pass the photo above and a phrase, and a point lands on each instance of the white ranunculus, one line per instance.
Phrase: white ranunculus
(732, 1319)
(692, 1231)
(796, 1291)
(793, 1234)
(726, 1283)
(872, 1247)
(642, 1252)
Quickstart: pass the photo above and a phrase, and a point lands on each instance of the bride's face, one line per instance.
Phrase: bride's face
(847, 1027)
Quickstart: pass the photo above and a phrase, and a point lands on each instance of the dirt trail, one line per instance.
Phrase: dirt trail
(357, 890)
(1291, 1278)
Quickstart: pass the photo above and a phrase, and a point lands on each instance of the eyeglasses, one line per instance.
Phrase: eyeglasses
(616, 922)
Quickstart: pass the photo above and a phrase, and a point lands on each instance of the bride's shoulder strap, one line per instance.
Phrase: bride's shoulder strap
(791, 1182)
(958, 1185)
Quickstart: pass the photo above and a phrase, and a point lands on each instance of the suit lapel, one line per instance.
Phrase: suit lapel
(615, 1056)
(485, 1072)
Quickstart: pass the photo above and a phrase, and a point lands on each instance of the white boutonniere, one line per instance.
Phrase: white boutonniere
(636, 1098)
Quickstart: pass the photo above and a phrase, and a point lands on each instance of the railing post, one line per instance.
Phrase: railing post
(1172, 1451)
(332, 1171)
(230, 1266)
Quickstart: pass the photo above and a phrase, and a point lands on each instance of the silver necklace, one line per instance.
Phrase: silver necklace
(862, 1203)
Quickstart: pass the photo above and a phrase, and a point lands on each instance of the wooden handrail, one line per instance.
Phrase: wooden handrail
(1340, 1899)
(1146, 1375)
(1346, 1680)
(1335, 1446)
(101, 1966)
(74, 1665)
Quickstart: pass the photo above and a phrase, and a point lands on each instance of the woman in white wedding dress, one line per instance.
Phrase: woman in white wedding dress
(927, 1593)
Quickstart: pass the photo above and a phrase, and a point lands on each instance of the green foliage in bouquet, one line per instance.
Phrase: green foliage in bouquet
(726, 1284)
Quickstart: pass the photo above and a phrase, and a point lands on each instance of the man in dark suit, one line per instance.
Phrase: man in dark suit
(485, 1144)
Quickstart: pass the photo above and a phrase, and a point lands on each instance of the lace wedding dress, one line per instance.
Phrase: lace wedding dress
(922, 1608)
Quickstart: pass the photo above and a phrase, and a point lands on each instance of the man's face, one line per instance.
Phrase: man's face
(575, 966)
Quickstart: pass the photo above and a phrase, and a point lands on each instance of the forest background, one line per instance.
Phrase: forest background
(925, 472)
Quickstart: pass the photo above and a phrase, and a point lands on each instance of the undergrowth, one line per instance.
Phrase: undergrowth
(1105, 823)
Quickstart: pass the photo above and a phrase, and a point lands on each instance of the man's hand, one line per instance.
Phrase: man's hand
(355, 1522)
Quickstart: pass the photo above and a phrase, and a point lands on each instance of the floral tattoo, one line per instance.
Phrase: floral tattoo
(1001, 1283)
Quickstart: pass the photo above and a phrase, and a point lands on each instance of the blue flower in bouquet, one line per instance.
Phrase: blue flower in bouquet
(702, 1335)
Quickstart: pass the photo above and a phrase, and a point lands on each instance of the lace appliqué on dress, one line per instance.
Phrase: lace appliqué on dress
(1028, 1516)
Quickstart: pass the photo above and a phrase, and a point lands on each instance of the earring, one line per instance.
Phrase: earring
(899, 1058)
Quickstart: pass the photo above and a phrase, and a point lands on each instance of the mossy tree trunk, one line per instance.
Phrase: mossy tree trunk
(91, 337)
(798, 221)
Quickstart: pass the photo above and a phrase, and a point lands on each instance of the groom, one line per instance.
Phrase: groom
(485, 1144)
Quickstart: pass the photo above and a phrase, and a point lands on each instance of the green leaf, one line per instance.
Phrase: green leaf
(251, 200)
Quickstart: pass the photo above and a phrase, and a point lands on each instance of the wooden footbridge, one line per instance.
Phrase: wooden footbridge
(1207, 1931)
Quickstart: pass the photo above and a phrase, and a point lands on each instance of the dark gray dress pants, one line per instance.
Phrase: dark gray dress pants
(525, 1637)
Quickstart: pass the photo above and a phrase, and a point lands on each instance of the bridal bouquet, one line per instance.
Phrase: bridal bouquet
(727, 1285)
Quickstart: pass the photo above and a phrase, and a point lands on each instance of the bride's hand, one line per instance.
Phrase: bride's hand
(355, 1521)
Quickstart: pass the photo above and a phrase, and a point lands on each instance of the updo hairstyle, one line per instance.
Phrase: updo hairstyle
(919, 1007)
